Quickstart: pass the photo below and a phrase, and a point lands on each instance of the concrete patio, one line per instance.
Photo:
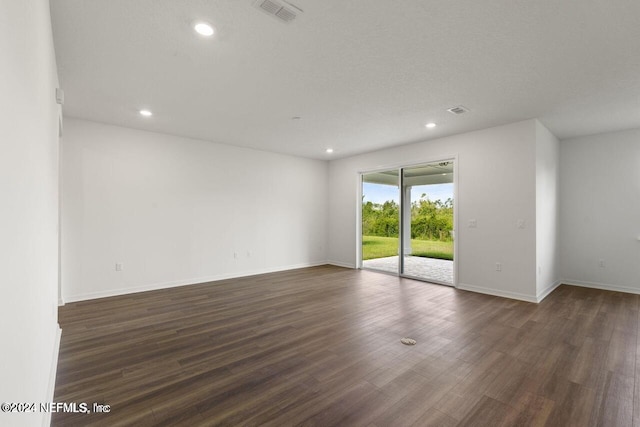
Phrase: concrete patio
(429, 269)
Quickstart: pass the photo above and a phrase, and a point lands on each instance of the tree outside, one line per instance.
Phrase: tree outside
(431, 226)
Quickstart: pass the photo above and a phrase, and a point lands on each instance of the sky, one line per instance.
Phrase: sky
(377, 193)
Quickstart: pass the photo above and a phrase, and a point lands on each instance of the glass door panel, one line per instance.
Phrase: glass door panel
(427, 222)
(381, 221)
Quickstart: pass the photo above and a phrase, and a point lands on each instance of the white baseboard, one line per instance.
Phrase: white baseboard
(603, 286)
(545, 292)
(51, 387)
(341, 264)
(60, 302)
(497, 292)
(185, 282)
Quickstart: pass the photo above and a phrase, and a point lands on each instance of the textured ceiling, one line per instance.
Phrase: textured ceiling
(361, 74)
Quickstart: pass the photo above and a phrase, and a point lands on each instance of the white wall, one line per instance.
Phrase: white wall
(496, 187)
(547, 211)
(600, 210)
(174, 211)
(29, 212)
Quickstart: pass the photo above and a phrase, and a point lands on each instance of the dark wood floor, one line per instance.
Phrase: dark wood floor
(321, 346)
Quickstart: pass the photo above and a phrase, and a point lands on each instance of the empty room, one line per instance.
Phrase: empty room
(350, 213)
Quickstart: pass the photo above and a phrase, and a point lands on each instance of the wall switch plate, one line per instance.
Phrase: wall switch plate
(498, 266)
(118, 266)
(59, 96)
(473, 223)
(601, 263)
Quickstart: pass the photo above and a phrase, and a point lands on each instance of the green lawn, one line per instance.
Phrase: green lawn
(379, 247)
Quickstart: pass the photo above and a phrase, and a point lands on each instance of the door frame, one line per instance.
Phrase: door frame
(400, 166)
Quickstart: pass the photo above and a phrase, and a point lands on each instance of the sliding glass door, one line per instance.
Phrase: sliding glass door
(427, 229)
(381, 221)
(408, 222)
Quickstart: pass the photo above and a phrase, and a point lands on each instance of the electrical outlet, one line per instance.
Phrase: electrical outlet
(498, 266)
(473, 223)
(235, 255)
(118, 266)
(520, 223)
(601, 263)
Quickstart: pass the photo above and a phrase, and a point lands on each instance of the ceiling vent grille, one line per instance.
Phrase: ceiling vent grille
(458, 110)
(284, 12)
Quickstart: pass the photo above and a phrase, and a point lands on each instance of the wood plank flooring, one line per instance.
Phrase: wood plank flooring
(321, 346)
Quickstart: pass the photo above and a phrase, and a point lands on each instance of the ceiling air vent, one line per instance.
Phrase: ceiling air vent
(458, 110)
(284, 11)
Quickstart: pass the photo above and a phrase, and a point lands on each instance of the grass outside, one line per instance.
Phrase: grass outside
(380, 247)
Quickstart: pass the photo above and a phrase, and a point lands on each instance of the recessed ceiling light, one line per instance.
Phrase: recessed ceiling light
(329, 150)
(430, 125)
(203, 29)
(146, 113)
